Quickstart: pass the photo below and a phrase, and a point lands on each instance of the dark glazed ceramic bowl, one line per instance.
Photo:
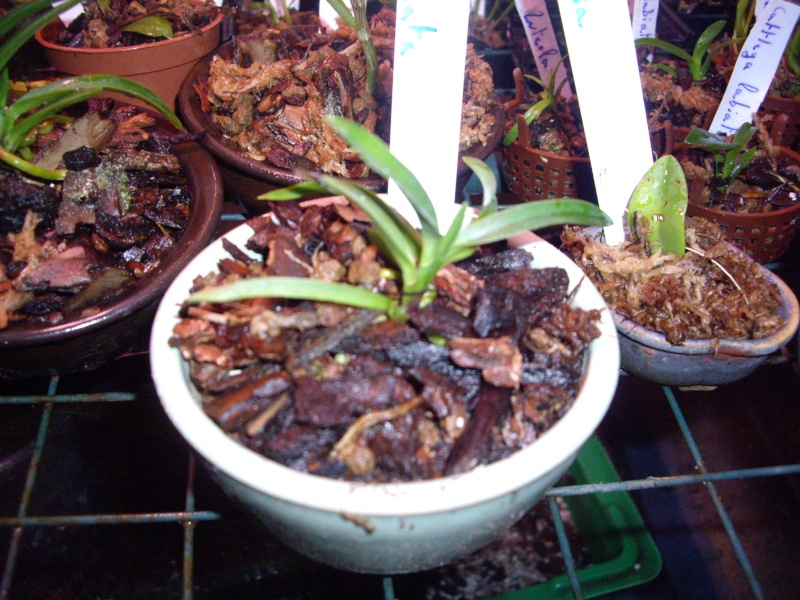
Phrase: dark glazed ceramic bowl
(702, 362)
(85, 343)
(245, 178)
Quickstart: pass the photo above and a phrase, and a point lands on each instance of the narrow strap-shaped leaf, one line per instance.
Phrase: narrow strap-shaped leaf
(296, 288)
(403, 250)
(24, 10)
(110, 83)
(14, 137)
(530, 115)
(365, 38)
(298, 191)
(743, 161)
(23, 34)
(531, 216)
(644, 42)
(443, 249)
(706, 39)
(375, 152)
(29, 168)
(488, 183)
(4, 120)
(708, 140)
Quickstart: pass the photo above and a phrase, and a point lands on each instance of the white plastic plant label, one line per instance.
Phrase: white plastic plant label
(644, 17)
(606, 75)
(69, 15)
(758, 60)
(543, 42)
(429, 56)
(328, 15)
(290, 5)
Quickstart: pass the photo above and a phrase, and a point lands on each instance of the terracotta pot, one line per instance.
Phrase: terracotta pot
(161, 66)
(649, 355)
(246, 178)
(763, 236)
(86, 342)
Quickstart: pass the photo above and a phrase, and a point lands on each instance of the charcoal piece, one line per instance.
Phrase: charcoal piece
(213, 379)
(474, 445)
(330, 339)
(500, 311)
(512, 259)
(81, 158)
(299, 446)
(383, 336)
(547, 285)
(418, 353)
(439, 320)
(536, 374)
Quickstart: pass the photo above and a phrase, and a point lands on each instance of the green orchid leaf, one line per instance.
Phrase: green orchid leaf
(660, 200)
(530, 115)
(488, 182)
(152, 26)
(110, 83)
(403, 249)
(298, 191)
(20, 37)
(31, 169)
(705, 40)
(443, 250)
(644, 42)
(17, 134)
(375, 152)
(296, 288)
(530, 216)
(706, 139)
(104, 5)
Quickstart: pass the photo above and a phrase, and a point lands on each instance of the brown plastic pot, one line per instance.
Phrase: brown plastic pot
(161, 66)
(532, 174)
(86, 342)
(763, 236)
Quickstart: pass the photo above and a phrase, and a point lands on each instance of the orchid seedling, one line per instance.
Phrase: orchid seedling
(730, 156)
(700, 59)
(24, 116)
(417, 254)
(550, 93)
(358, 21)
(657, 208)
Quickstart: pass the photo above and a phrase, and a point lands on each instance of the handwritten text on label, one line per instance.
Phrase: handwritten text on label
(542, 40)
(758, 60)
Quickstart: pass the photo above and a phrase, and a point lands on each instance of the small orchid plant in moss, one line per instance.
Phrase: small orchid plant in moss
(657, 208)
(702, 56)
(39, 108)
(417, 254)
(549, 99)
(358, 21)
(731, 155)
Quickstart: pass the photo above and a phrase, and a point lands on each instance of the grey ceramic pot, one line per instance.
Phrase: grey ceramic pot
(648, 355)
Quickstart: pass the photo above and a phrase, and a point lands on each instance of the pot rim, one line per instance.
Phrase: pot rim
(56, 24)
(788, 311)
(199, 231)
(558, 445)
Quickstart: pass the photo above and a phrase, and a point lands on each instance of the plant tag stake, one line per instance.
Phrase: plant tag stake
(328, 15)
(543, 42)
(429, 55)
(606, 73)
(644, 18)
(758, 60)
(69, 15)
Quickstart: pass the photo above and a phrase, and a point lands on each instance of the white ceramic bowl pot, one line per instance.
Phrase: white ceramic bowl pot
(396, 527)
